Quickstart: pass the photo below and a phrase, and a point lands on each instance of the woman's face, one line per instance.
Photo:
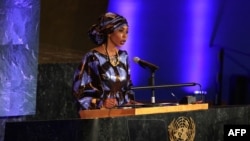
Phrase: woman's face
(119, 36)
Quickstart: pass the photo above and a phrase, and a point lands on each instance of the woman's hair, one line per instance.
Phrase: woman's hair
(107, 23)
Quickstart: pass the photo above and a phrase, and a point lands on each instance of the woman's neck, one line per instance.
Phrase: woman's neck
(110, 50)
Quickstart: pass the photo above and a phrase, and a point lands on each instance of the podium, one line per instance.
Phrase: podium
(122, 124)
(116, 112)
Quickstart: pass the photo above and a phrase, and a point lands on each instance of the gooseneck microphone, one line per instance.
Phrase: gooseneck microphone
(177, 100)
(145, 64)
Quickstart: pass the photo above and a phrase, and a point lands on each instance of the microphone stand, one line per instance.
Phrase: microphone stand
(153, 84)
(152, 68)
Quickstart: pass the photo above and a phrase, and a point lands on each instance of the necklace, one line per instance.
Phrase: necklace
(114, 60)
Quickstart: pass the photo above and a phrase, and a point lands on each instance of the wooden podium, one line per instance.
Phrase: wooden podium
(104, 113)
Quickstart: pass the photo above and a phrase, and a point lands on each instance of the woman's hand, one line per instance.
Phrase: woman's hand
(110, 103)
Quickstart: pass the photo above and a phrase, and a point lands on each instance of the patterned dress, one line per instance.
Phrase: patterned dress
(97, 79)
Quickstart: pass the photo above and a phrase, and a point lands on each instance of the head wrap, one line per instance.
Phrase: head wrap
(107, 24)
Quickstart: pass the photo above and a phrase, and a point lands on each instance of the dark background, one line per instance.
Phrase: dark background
(63, 29)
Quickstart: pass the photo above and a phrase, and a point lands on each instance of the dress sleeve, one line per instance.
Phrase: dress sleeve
(86, 82)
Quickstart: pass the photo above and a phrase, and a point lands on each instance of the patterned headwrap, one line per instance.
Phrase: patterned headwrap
(107, 23)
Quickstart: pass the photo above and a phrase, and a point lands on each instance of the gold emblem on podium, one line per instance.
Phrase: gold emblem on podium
(181, 129)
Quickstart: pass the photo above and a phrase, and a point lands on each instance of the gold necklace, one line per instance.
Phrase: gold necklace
(114, 60)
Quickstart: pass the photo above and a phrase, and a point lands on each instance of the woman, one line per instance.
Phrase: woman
(102, 80)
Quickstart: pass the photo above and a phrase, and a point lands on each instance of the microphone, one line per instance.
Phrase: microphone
(177, 101)
(145, 64)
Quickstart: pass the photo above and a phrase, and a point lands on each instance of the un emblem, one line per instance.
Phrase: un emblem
(181, 129)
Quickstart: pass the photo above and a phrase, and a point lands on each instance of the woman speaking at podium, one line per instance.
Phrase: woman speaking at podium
(102, 80)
